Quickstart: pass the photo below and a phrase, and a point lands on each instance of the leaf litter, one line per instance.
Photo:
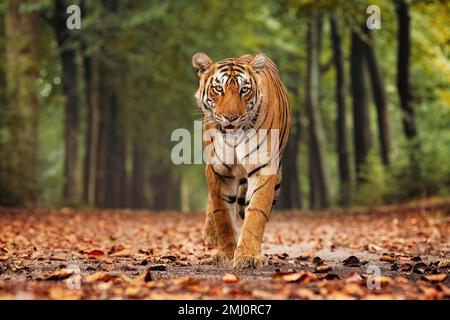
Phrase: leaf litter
(100, 254)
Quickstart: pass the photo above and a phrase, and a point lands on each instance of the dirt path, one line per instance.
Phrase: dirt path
(397, 252)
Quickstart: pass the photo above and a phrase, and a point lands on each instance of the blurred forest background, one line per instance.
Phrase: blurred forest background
(86, 115)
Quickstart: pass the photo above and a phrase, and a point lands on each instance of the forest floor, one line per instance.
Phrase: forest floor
(391, 252)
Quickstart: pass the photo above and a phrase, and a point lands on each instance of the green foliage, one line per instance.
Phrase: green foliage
(374, 189)
(148, 45)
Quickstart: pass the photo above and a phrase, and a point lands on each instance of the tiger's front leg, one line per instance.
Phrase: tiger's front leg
(248, 251)
(222, 209)
(209, 230)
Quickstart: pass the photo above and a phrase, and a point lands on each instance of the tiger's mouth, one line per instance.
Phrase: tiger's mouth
(228, 127)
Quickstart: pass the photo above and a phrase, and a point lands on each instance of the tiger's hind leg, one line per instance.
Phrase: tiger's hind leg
(241, 201)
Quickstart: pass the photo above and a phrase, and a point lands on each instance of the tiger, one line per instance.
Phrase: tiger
(240, 95)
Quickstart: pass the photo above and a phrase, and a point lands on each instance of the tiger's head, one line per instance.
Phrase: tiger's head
(229, 92)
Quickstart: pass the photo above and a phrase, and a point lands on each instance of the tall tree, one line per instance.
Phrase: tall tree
(341, 119)
(103, 137)
(380, 99)
(290, 196)
(67, 45)
(319, 183)
(18, 172)
(361, 124)
(136, 197)
(110, 184)
(403, 64)
(92, 129)
(116, 150)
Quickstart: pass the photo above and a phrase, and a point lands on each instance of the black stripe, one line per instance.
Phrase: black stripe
(256, 170)
(257, 147)
(219, 175)
(260, 211)
(277, 186)
(221, 161)
(229, 199)
(242, 181)
(259, 142)
(241, 201)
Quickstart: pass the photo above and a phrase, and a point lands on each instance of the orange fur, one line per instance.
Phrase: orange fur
(241, 187)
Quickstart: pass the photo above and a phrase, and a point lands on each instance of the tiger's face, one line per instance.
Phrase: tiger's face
(229, 91)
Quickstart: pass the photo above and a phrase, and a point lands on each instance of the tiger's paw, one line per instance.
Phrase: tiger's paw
(223, 258)
(243, 261)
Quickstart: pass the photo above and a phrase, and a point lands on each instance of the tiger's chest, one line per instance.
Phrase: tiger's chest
(238, 157)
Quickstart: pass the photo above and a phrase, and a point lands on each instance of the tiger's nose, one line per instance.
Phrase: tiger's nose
(230, 117)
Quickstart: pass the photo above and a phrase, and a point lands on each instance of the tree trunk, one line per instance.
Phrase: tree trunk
(115, 173)
(361, 135)
(341, 120)
(67, 52)
(290, 197)
(320, 191)
(403, 62)
(18, 181)
(92, 130)
(103, 139)
(380, 99)
(111, 175)
(137, 197)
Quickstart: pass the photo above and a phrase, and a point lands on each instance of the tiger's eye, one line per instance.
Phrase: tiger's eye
(218, 88)
(244, 90)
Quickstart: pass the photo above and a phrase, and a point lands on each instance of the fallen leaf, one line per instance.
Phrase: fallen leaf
(95, 253)
(144, 262)
(444, 263)
(64, 294)
(303, 277)
(373, 248)
(352, 261)
(282, 256)
(148, 276)
(169, 257)
(387, 258)
(419, 268)
(60, 274)
(100, 276)
(158, 267)
(186, 281)
(405, 267)
(266, 295)
(332, 276)
(434, 278)
(318, 260)
(382, 280)
(353, 289)
(306, 294)
(230, 278)
(116, 248)
(322, 268)
(394, 267)
(354, 277)
(122, 254)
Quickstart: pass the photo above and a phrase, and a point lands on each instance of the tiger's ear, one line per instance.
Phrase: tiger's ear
(259, 61)
(201, 62)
